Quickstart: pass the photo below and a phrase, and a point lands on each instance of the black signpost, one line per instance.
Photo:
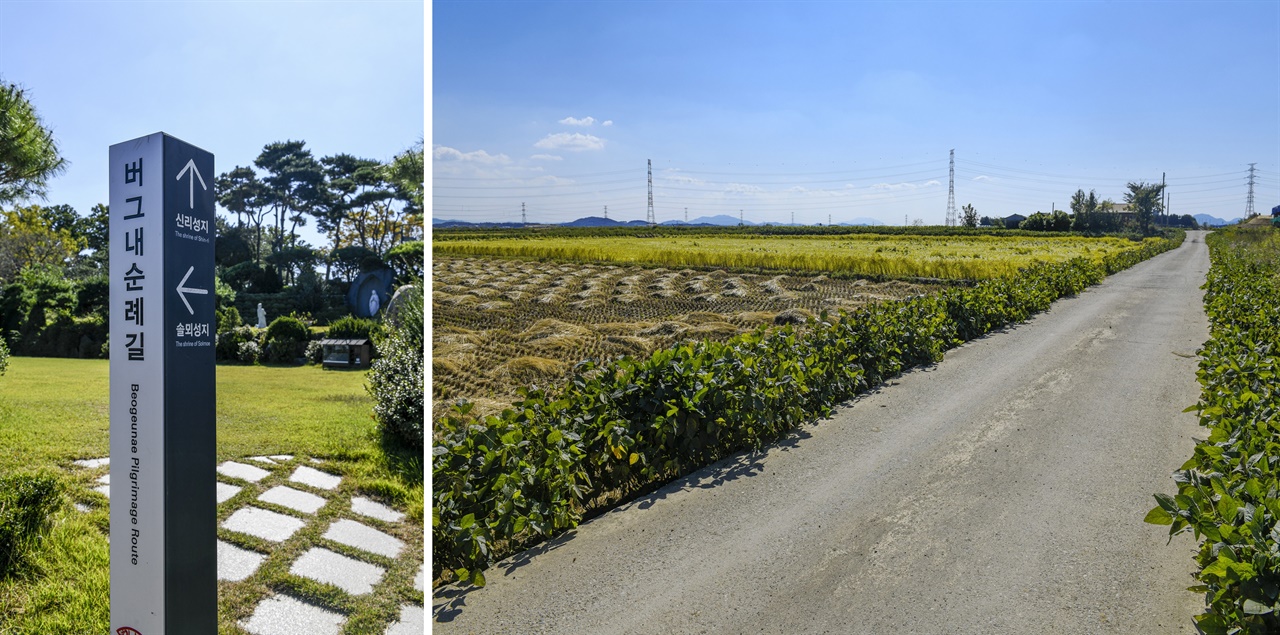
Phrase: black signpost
(163, 510)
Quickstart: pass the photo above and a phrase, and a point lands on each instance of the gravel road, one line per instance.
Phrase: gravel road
(1000, 491)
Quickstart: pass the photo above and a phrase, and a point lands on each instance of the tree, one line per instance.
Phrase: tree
(28, 239)
(970, 217)
(242, 193)
(294, 186)
(1085, 209)
(407, 173)
(28, 153)
(1144, 199)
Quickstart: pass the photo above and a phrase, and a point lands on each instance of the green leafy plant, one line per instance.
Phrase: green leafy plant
(26, 501)
(1229, 490)
(396, 378)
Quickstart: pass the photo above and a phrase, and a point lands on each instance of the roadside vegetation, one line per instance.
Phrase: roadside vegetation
(505, 481)
(1229, 490)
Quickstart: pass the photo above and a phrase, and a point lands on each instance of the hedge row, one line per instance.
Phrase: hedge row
(509, 480)
(1229, 491)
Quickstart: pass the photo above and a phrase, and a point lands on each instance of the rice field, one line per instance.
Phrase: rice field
(500, 324)
(952, 257)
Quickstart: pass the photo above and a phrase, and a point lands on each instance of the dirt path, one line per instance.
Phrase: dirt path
(1001, 491)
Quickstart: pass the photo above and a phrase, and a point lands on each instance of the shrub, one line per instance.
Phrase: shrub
(396, 378)
(349, 328)
(286, 336)
(249, 352)
(315, 352)
(26, 501)
(227, 343)
(4, 356)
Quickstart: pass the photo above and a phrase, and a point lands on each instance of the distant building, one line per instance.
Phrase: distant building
(1275, 211)
(1012, 221)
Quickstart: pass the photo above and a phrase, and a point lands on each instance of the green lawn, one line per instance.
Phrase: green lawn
(53, 411)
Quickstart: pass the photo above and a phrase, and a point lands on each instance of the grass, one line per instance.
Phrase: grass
(55, 411)
(893, 256)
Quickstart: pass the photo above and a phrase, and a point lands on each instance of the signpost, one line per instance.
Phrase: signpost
(163, 512)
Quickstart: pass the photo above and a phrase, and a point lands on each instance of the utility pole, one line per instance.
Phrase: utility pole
(523, 221)
(951, 193)
(651, 220)
(1248, 207)
(1164, 194)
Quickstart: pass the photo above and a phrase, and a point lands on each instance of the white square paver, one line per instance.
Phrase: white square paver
(225, 492)
(264, 524)
(105, 490)
(236, 564)
(293, 499)
(373, 509)
(281, 457)
(412, 621)
(283, 615)
(263, 459)
(348, 574)
(243, 471)
(315, 478)
(417, 580)
(92, 463)
(353, 534)
(105, 479)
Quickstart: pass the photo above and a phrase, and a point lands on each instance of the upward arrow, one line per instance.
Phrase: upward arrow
(195, 174)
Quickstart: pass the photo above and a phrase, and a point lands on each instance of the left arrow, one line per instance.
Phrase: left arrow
(195, 174)
(182, 291)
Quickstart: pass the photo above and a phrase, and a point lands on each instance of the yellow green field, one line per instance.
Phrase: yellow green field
(878, 255)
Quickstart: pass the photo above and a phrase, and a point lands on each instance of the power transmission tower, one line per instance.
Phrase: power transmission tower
(951, 193)
(523, 221)
(793, 217)
(740, 218)
(1248, 207)
(651, 220)
(686, 216)
(606, 212)
(828, 220)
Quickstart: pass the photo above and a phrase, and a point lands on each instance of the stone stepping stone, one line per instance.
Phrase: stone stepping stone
(93, 463)
(293, 499)
(263, 459)
(264, 524)
(281, 457)
(225, 492)
(354, 534)
(105, 490)
(243, 471)
(412, 621)
(315, 478)
(348, 574)
(283, 615)
(417, 580)
(236, 564)
(105, 479)
(373, 509)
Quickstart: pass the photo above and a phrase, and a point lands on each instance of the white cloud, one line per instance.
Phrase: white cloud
(684, 180)
(982, 177)
(445, 153)
(575, 141)
(585, 121)
(546, 157)
(893, 187)
(607, 123)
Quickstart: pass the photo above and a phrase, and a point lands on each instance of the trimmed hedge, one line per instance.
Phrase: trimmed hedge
(510, 480)
(1229, 491)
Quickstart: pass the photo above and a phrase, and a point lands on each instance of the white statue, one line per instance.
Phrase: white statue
(262, 317)
(373, 304)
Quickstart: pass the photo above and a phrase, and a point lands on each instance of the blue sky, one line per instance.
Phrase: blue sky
(229, 77)
(843, 110)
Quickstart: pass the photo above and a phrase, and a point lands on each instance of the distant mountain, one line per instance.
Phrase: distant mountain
(719, 219)
(1214, 221)
(593, 221)
(451, 223)
(862, 220)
